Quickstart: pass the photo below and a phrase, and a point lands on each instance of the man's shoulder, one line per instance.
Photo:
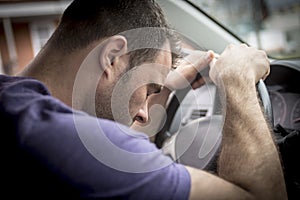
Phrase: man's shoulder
(30, 105)
(18, 83)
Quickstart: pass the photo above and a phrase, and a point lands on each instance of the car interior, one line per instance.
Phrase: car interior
(192, 131)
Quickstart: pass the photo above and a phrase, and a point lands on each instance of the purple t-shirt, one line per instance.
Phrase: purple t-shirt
(53, 151)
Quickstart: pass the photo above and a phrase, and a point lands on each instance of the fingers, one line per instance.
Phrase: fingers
(195, 62)
(261, 65)
(266, 64)
(240, 63)
(198, 59)
(198, 83)
(187, 69)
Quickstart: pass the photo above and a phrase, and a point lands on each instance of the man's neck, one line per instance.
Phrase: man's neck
(57, 72)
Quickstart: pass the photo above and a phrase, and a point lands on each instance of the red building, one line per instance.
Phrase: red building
(25, 26)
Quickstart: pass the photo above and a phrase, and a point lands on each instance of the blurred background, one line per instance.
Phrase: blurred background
(272, 25)
(25, 26)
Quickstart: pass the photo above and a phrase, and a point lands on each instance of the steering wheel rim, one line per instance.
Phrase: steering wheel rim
(164, 133)
(266, 101)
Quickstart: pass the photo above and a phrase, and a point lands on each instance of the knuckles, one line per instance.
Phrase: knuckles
(240, 60)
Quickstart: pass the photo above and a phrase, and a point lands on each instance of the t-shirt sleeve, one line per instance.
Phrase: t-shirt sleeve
(113, 162)
(145, 171)
(170, 183)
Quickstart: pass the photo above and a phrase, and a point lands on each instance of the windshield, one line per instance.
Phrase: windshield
(271, 25)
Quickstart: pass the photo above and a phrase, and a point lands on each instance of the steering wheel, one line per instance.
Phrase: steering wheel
(197, 143)
(265, 100)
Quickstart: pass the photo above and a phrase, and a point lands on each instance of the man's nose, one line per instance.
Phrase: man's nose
(142, 115)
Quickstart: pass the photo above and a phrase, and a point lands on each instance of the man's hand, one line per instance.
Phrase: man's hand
(239, 62)
(187, 69)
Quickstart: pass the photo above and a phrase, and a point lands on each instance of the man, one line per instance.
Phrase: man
(96, 63)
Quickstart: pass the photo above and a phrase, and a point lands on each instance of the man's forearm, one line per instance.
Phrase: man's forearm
(249, 157)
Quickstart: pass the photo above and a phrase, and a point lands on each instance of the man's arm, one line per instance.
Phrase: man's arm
(249, 165)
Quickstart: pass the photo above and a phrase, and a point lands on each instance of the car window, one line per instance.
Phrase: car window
(272, 25)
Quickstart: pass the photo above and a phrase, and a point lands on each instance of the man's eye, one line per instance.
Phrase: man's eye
(157, 90)
(154, 89)
(151, 92)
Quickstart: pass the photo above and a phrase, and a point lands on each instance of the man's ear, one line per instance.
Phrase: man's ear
(112, 48)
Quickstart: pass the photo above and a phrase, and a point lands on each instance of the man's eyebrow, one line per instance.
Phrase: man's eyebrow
(182, 53)
(156, 87)
(173, 67)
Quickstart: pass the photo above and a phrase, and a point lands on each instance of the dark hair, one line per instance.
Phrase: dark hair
(87, 21)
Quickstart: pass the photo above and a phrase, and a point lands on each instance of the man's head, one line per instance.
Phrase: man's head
(123, 37)
(86, 22)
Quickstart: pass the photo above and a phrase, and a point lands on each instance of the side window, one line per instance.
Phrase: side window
(40, 33)
(272, 25)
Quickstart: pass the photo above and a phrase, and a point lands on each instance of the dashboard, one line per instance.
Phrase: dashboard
(283, 85)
